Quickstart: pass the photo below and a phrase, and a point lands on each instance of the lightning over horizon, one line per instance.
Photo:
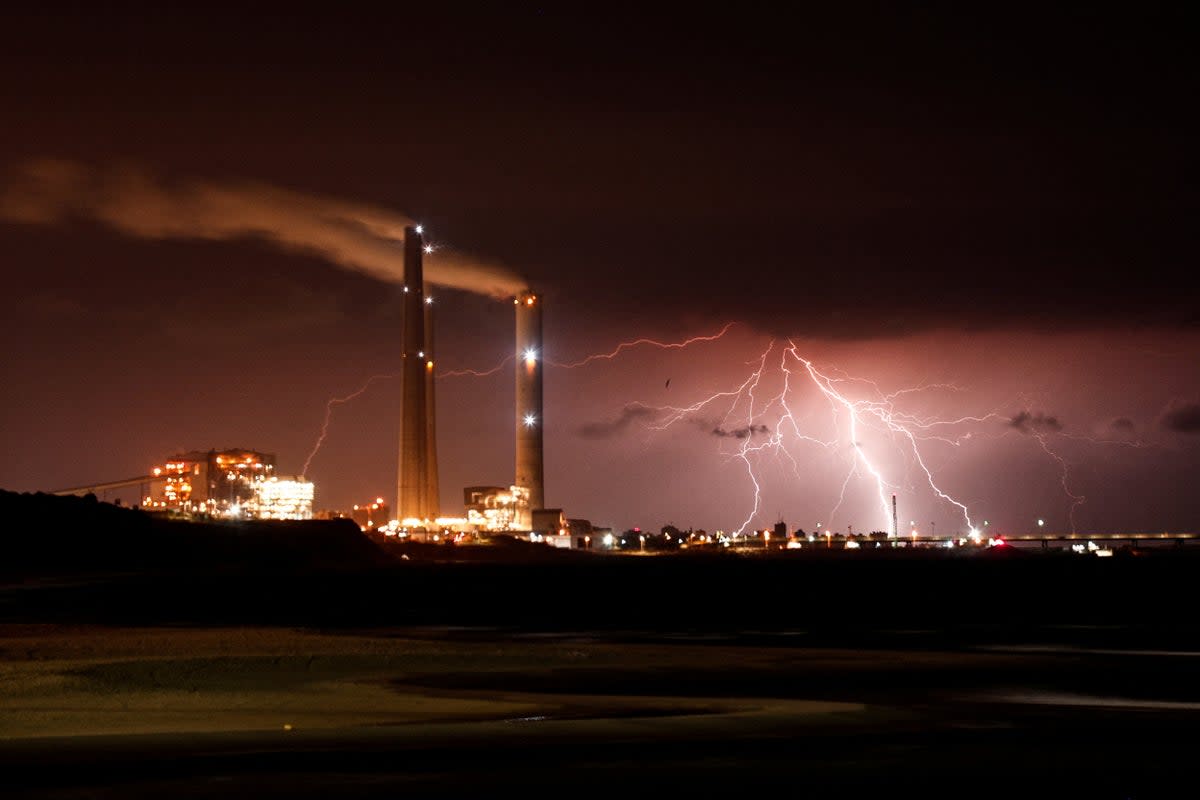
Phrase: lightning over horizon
(867, 427)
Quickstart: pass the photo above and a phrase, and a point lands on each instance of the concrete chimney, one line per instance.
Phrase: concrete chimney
(529, 420)
(433, 502)
(416, 421)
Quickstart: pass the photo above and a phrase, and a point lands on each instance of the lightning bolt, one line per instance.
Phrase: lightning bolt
(634, 343)
(872, 414)
(859, 404)
(337, 401)
(459, 373)
(1076, 500)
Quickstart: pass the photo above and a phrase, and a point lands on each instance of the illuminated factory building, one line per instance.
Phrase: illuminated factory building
(236, 484)
(495, 508)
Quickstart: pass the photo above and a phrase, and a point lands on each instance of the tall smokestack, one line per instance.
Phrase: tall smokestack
(529, 358)
(895, 519)
(433, 501)
(412, 477)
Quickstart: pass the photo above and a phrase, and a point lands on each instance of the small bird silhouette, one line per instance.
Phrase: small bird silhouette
(668, 386)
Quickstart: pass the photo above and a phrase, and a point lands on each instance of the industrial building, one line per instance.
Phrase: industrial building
(228, 483)
(495, 508)
(367, 516)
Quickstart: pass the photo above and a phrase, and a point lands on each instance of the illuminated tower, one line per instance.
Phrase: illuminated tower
(418, 459)
(432, 502)
(529, 421)
(895, 520)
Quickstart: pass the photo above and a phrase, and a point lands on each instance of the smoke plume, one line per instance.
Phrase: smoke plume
(135, 202)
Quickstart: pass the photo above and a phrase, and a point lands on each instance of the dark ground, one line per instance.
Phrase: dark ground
(989, 674)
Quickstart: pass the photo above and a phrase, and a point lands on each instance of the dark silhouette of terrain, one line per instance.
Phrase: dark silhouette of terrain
(73, 559)
(978, 673)
(48, 535)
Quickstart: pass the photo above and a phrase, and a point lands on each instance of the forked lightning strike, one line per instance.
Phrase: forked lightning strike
(877, 413)
(634, 343)
(337, 401)
(460, 373)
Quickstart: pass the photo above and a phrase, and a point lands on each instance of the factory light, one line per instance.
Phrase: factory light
(531, 356)
(420, 229)
(530, 420)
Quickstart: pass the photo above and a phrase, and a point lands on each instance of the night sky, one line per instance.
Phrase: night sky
(995, 208)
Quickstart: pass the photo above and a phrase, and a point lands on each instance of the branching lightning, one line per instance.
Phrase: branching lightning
(459, 373)
(634, 343)
(877, 413)
(337, 401)
(1076, 499)
(865, 420)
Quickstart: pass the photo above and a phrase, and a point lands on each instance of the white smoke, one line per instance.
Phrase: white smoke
(352, 235)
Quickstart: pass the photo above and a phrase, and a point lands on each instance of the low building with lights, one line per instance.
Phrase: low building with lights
(230, 484)
(495, 508)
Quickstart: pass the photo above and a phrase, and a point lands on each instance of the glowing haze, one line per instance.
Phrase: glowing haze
(135, 202)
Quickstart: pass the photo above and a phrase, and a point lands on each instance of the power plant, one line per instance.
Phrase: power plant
(225, 484)
(242, 483)
(417, 491)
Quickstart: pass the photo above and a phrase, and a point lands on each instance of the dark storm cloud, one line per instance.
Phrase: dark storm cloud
(739, 433)
(1027, 422)
(1042, 172)
(1181, 417)
(607, 429)
(136, 203)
